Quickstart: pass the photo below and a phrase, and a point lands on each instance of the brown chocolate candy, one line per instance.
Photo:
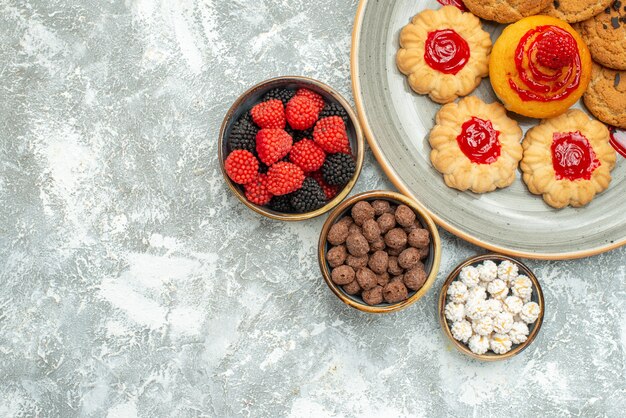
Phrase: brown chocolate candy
(371, 230)
(379, 262)
(367, 278)
(419, 238)
(386, 222)
(336, 256)
(357, 245)
(424, 252)
(405, 216)
(393, 267)
(357, 262)
(409, 258)
(382, 206)
(338, 233)
(383, 279)
(373, 296)
(415, 278)
(378, 245)
(395, 291)
(354, 229)
(352, 288)
(346, 220)
(396, 238)
(361, 212)
(396, 251)
(342, 275)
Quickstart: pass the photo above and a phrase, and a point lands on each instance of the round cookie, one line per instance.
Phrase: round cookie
(506, 11)
(475, 145)
(573, 11)
(606, 96)
(605, 35)
(568, 159)
(444, 53)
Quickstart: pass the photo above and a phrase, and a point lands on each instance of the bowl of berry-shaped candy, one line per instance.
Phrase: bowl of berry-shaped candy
(291, 148)
(491, 307)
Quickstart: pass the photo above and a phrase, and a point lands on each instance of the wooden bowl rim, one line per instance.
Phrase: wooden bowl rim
(463, 347)
(398, 198)
(359, 140)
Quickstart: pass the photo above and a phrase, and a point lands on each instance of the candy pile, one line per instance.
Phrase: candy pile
(291, 151)
(377, 252)
(489, 307)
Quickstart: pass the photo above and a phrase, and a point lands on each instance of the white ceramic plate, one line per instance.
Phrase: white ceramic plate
(397, 121)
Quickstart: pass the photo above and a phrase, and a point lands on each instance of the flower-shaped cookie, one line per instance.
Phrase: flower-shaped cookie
(475, 146)
(444, 53)
(568, 159)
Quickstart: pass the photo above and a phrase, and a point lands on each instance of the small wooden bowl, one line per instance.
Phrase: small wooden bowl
(251, 97)
(431, 263)
(537, 297)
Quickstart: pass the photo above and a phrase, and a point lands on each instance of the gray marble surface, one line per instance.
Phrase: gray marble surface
(134, 284)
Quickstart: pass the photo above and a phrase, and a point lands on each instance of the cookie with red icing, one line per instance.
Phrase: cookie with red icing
(568, 159)
(539, 67)
(444, 53)
(475, 145)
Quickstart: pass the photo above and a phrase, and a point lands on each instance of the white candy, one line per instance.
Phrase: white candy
(483, 326)
(494, 307)
(500, 343)
(519, 333)
(470, 276)
(476, 309)
(455, 312)
(488, 271)
(503, 322)
(530, 312)
(461, 331)
(522, 287)
(507, 271)
(457, 292)
(513, 304)
(483, 284)
(498, 289)
(476, 293)
(479, 344)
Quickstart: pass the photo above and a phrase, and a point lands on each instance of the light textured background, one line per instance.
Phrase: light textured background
(132, 283)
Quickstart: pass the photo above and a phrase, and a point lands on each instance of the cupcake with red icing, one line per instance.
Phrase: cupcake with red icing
(540, 67)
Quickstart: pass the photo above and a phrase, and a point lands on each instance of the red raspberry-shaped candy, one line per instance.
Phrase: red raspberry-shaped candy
(302, 112)
(284, 178)
(307, 155)
(329, 191)
(241, 166)
(316, 98)
(269, 115)
(256, 191)
(330, 134)
(556, 50)
(272, 145)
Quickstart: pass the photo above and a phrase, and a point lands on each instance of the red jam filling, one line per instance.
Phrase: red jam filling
(539, 83)
(479, 141)
(457, 3)
(446, 51)
(572, 156)
(618, 140)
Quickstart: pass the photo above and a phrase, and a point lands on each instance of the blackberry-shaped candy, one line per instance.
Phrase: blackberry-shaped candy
(333, 109)
(243, 135)
(284, 95)
(281, 204)
(300, 135)
(338, 169)
(309, 197)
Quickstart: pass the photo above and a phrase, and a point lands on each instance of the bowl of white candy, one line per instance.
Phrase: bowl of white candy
(491, 307)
